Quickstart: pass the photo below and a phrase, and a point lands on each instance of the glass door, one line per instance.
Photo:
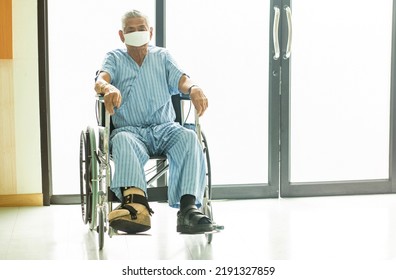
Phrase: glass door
(336, 97)
(223, 45)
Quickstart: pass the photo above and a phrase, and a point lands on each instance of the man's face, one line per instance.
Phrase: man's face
(133, 25)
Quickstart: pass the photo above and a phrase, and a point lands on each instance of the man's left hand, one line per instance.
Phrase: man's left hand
(199, 100)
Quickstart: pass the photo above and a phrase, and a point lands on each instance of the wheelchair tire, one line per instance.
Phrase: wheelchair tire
(85, 178)
(101, 228)
(207, 206)
(208, 167)
(207, 210)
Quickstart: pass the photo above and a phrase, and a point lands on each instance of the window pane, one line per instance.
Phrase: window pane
(78, 40)
(340, 90)
(223, 46)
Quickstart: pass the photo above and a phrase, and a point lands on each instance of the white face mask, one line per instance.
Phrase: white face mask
(137, 38)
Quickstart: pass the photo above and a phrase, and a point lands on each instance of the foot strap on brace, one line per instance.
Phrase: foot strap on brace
(135, 198)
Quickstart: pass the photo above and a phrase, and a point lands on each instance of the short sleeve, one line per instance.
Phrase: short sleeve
(174, 73)
(109, 66)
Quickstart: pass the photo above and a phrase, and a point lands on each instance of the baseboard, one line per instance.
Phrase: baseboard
(16, 200)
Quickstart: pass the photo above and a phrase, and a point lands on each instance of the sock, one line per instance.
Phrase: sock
(187, 200)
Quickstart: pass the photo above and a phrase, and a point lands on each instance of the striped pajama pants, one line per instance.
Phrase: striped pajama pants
(131, 148)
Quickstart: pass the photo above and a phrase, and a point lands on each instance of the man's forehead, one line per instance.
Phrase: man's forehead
(135, 22)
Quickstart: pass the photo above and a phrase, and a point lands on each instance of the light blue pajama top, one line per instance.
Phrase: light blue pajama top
(149, 86)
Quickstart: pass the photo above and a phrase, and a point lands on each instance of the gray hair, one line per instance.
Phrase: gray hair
(134, 14)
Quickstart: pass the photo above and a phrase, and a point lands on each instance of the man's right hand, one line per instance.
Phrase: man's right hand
(112, 98)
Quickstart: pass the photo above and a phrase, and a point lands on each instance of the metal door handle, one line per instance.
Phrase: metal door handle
(290, 32)
(275, 33)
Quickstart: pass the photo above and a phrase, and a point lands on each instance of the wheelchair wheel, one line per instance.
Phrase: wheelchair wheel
(207, 206)
(208, 167)
(85, 178)
(207, 210)
(101, 228)
(88, 177)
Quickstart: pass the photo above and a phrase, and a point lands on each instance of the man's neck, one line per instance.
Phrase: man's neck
(138, 54)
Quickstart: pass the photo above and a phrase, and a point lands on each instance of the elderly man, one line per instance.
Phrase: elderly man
(137, 83)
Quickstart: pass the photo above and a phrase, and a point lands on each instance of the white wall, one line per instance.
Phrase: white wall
(26, 97)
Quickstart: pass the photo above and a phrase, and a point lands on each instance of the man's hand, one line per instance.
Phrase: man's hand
(112, 98)
(199, 100)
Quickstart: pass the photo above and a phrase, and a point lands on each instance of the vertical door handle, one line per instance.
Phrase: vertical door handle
(290, 32)
(275, 33)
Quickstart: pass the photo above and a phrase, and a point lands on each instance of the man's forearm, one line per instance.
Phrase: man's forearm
(186, 84)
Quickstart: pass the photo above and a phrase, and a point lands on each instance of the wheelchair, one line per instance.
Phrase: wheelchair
(95, 171)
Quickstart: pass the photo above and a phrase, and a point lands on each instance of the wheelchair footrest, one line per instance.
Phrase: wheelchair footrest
(218, 227)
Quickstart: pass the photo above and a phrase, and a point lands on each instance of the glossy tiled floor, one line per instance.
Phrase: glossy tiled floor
(324, 228)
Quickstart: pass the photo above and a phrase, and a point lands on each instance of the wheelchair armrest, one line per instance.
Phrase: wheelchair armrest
(100, 97)
(176, 102)
(184, 96)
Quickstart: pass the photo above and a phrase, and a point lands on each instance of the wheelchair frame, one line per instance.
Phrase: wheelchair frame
(95, 172)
